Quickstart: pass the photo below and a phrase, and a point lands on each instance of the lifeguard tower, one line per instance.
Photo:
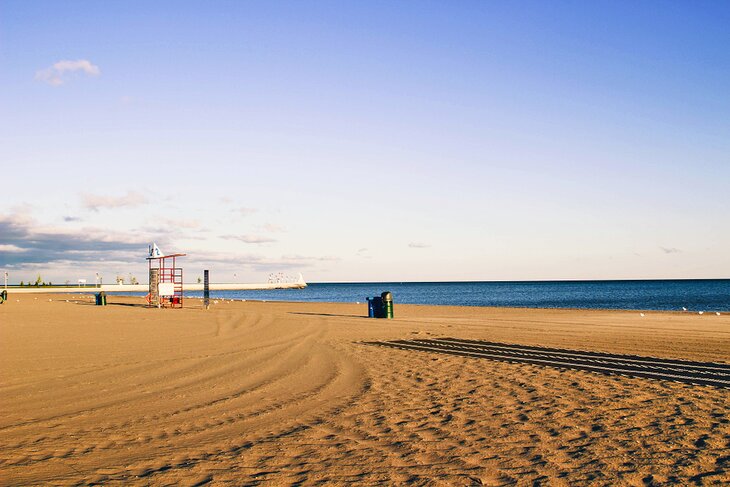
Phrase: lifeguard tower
(166, 279)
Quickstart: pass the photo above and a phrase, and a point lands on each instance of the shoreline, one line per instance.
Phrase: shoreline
(536, 281)
(690, 312)
(706, 296)
(364, 303)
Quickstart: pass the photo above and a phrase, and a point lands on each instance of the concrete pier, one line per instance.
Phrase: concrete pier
(127, 288)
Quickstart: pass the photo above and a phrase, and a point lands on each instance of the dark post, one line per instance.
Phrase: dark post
(155, 287)
(206, 289)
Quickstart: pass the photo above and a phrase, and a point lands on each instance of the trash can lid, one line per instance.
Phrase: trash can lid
(387, 296)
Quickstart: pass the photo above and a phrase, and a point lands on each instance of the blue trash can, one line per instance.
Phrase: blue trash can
(371, 309)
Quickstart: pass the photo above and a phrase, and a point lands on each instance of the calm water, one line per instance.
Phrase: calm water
(695, 295)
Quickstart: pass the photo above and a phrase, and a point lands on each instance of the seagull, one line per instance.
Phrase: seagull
(684, 309)
(701, 312)
(642, 314)
(717, 313)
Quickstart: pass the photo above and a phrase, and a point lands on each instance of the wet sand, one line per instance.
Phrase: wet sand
(253, 393)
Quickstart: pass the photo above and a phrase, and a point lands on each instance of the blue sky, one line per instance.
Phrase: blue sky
(366, 140)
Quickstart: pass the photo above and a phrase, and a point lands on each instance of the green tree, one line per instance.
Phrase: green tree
(21, 283)
(38, 280)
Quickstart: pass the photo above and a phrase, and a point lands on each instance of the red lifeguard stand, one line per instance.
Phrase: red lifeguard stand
(166, 280)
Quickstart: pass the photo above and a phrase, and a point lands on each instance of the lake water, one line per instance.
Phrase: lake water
(695, 295)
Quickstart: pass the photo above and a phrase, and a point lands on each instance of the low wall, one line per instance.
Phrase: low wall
(132, 288)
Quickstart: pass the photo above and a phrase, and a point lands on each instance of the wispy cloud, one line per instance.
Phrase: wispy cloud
(251, 239)
(246, 211)
(258, 262)
(11, 248)
(418, 245)
(305, 258)
(174, 229)
(233, 206)
(23, 243)
(95, 202)
(183, 223)
(56, 74)
(270, 227)
(670, 250)
(71, 219)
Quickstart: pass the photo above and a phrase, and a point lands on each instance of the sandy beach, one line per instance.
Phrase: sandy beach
(253, 393)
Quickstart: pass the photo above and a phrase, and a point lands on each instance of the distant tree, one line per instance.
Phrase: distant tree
(38, 280)
(120, 279)
(67, 282)
(22, 283)
(200, 280)
(132, 279)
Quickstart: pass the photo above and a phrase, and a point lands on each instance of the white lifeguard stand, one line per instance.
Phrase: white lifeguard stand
(166, 279)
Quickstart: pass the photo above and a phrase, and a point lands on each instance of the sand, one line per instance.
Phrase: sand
(253, 393)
